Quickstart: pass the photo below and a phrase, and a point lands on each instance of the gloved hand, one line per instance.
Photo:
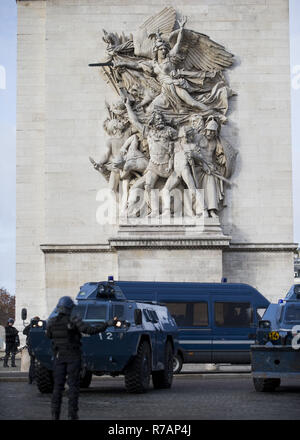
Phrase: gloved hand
(112, 322)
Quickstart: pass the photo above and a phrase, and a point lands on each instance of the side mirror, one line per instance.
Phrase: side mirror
(138, 317)
(24, 314)
(264, 324)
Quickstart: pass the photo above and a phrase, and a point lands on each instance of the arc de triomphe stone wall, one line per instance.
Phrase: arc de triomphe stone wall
(61, 106)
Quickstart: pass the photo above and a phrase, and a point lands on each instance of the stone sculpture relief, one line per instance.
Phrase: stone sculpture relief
(164, 132)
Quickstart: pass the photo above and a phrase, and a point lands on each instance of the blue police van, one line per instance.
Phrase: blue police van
(217, 321)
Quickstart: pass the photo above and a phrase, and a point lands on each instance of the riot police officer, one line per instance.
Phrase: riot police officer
(33, 323)
(65, 331)
(12, 343)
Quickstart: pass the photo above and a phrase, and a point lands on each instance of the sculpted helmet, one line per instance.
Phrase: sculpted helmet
(212, 125)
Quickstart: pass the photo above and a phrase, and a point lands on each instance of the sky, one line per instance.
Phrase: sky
(8, 37)
(8, 46)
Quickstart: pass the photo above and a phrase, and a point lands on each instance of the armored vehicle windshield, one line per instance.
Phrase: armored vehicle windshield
(292, 314)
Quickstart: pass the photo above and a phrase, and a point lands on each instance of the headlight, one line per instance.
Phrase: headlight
(40, 323)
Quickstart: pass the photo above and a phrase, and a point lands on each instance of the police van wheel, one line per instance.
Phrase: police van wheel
(44, 379)
(137, 376)
(265, 385)
(177, 363)
(164, 378)
(85, 379)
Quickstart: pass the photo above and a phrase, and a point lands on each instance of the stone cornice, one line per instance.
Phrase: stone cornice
(168, 243)
(74, 248)
(262, 247)
(174, 242)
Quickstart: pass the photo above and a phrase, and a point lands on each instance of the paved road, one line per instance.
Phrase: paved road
(192, 397)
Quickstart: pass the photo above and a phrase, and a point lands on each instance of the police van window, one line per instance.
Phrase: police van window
(228, 314)
(189, 314)
(96, 313)
(292, 314)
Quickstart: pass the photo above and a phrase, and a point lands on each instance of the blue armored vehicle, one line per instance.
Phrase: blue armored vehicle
(143, 344)
(276, 353)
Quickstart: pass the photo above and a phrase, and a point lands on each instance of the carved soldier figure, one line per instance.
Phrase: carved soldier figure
(160, 139)
(119, 130)
(210, 176)
(186, 154)
(133, 158)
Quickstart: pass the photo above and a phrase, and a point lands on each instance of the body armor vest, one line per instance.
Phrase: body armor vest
(11, 335)
(66, 338)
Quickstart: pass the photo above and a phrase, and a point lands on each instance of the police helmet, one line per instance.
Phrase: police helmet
(65, 302)
(10, 321)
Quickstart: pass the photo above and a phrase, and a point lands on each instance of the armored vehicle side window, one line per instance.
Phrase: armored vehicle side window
(228, 314)
(118, 310)
(79, 310)
(154, 316)
(260, 313)
(292, 313)
(96, 313)
(147, 315)
(297, 291)
(189, 314)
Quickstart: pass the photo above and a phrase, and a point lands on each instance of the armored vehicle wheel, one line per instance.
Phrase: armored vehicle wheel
(264, 385)
(44, 379)
(85, 379)
(164, 378)
(137, 376)
(177, 363)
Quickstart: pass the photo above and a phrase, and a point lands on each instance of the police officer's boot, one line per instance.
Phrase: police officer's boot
(5, 364)
(13, 362)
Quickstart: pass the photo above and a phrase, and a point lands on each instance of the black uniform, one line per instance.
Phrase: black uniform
(31, 374)
(65, 332)
(12, 343)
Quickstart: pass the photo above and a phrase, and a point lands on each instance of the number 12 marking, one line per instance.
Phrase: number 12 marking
(108, 336)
